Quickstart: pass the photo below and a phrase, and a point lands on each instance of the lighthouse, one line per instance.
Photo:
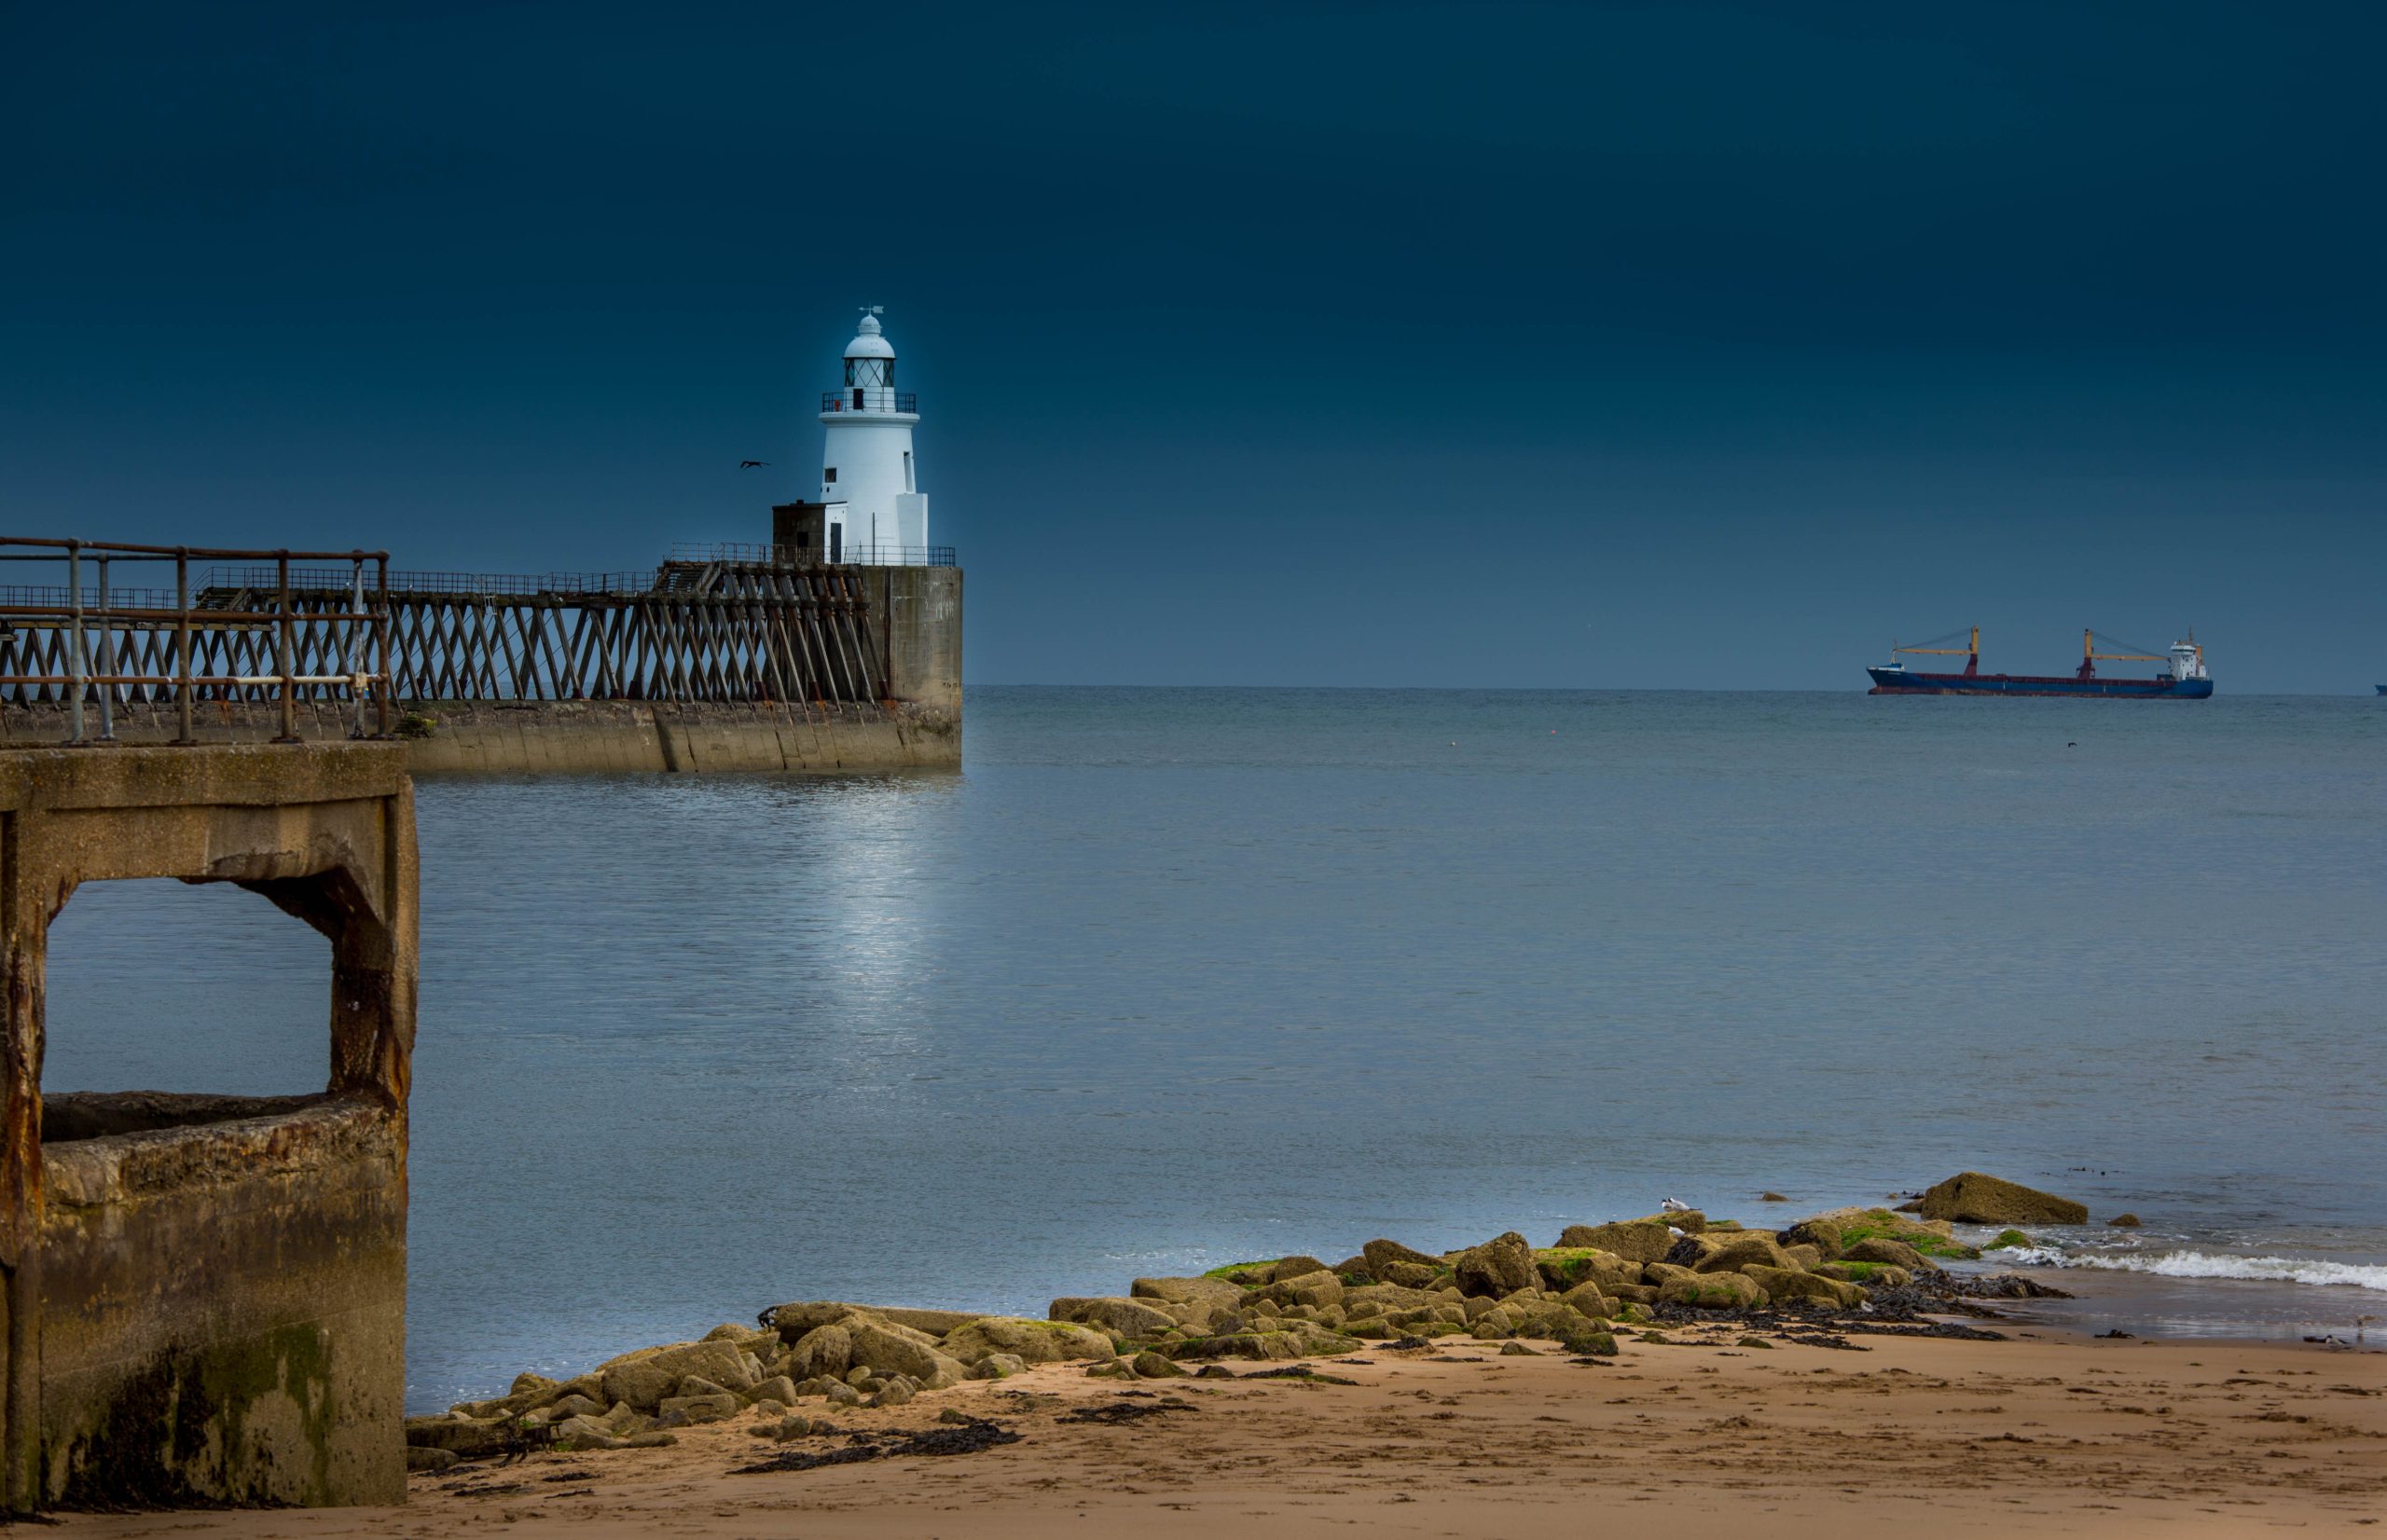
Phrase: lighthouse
(873, 512)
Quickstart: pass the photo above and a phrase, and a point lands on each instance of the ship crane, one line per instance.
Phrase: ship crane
(1970, 653)
(2090, 657)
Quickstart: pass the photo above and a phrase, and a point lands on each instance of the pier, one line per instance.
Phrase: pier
(724, 658)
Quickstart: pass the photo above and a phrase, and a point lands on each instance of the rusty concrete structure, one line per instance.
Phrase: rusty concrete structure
(205, 1296)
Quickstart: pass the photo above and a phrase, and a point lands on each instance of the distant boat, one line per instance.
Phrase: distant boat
(2185, 678)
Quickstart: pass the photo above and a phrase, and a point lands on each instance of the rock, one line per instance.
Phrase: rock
(998, 1366)
(1690, 1250)
(421, 1457)
(1518, 1350)
(1381, 1253)
(466, 1437)
(1819, 1233)
(697, 1384)
(1662, 1274)
(622, 1420)
(1754, 1249)
(2124, 1221)
(650, 1440)
(1754, 1342)
(791, 1321)
(1148, 1364)
(1932, 1237)
(1187, 1291)
(1871, 1274)
(1408, 1275)
(1294, 1267)
(1881, 1248)
(781, 1389)
(1772, 1198)
(1588, 1344)
(584, 1433)
(571, 1405)
(888, 1348)
(1031, 1342)
(826, 1350)
(1309, 1288)
(1586, 1299)
(714, 1407)
(1785, 1285)
(1499, 1266)
(533, 1385)
(591, 1386)
(1728, 1290)
(643, 1379)
(842, 1394)
(1633, 1294)
(1634, 1240)
(1803, 1254)
(1126, 1318)
(1974, 1199)
(895, 1392)
(956, 1416)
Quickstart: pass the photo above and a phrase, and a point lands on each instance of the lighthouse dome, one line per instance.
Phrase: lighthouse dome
(868, 343)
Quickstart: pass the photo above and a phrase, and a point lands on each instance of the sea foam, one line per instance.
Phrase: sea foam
(2204, 1264)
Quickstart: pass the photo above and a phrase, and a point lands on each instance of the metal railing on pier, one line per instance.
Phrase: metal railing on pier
(751, 553)
(100, 644)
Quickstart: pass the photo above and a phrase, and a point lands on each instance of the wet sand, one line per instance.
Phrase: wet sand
(2045, 1435)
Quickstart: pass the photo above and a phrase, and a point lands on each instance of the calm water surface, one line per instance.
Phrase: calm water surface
(1167, 978)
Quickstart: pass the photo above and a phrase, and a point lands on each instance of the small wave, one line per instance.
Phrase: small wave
(2202, 1264)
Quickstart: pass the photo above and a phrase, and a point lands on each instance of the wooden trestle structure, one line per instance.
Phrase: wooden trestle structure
(689, 630)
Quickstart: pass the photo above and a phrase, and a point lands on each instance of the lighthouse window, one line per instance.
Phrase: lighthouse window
(829, 474)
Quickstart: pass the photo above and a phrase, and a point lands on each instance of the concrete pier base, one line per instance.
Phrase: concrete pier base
(205, 1296)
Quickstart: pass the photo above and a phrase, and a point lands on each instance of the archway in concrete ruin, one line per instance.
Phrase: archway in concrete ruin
(205, 1293)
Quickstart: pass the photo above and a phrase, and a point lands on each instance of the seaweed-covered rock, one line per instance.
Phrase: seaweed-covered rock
(1587, 1300)
(1973, 1198)
(1881, 1248)
(1635, 1240)
(1730, 1290)
(1031, 1342)
(1148, 1364)
(1187, 1291)
(1313, 1289)
(1690, 1250)
(1498, 1267)
(2125, 1222)
(1819, 1232)
(1754, 1249)
(1785, 1285)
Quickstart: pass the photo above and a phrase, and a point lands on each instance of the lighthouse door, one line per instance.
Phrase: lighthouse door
(836, 544)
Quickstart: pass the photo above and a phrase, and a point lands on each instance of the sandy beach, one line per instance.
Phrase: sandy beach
(2044, 1434)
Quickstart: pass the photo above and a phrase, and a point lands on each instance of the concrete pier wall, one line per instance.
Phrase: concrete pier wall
(205, 1296)
(568, 737)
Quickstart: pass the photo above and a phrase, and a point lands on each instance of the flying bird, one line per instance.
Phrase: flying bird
(750, 465)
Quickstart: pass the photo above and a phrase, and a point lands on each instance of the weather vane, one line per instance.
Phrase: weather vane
(873, 309)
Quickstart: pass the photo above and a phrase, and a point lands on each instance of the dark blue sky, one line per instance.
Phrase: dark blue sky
(1697, 345)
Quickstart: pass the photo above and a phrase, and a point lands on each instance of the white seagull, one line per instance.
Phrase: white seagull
(1674, 1205)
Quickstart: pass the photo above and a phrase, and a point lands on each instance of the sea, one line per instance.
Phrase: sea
(1163, 978)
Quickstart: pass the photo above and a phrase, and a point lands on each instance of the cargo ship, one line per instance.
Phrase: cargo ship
(2183, 678)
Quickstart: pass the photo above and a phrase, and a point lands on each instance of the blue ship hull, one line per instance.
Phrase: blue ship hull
(1898, 681)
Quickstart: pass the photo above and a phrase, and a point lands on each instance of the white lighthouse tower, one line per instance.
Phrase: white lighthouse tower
(874, 510)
